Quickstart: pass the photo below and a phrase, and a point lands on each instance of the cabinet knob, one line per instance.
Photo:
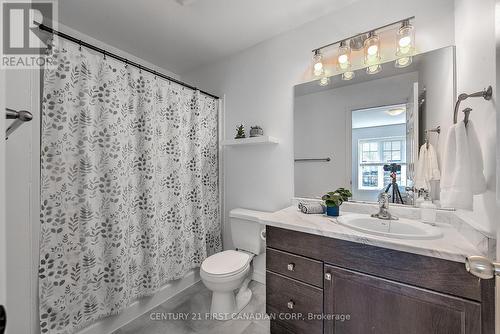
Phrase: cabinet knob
(290, 304)
(291, 266)
(328, 276)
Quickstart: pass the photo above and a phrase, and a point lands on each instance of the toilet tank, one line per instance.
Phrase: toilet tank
(246, 231)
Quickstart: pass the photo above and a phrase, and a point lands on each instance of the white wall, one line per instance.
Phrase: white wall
(258, 86)
(22, 204)
(475, 41)
(23, 217)
(3, 248)
(322, 129)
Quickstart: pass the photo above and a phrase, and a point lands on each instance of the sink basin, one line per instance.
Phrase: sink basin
(398, 229)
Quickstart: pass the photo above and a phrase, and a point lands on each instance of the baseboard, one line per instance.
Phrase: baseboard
(259, 277)
(143, 305)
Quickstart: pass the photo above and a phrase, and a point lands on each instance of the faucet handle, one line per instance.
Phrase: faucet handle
(383, 197)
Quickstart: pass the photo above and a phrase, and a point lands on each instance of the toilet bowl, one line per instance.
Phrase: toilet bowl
(224, 272)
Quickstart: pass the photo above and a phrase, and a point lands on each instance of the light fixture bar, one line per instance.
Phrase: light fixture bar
(408, 19)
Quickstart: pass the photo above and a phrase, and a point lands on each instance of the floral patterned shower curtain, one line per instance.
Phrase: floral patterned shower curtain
(129, 186)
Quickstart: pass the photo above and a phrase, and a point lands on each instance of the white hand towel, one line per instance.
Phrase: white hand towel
(456, 182)
(476, 159)
(427, 168)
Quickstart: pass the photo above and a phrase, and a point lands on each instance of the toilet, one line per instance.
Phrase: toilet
(227, 271)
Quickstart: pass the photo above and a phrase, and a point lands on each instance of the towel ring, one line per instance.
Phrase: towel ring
(485, 94)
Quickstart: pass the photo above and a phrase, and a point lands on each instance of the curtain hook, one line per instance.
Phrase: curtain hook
(126, 63)
(80, 45)
(104, 53)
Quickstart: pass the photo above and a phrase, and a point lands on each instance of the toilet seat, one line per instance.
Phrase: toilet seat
(225, 264)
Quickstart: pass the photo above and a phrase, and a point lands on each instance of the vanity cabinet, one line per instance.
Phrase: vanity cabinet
(311, 279)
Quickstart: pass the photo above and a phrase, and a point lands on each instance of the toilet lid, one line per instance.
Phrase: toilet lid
(225, 263)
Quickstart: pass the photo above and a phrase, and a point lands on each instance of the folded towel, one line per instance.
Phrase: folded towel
(312, 208)
(476, 159)
(427, 168)
(456, 183)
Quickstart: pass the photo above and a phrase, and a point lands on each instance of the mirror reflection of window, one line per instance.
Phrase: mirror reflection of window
(379, 138)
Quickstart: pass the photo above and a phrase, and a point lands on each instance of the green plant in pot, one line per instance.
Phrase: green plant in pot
(334, 199)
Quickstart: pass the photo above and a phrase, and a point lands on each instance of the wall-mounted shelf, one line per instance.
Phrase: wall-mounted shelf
(251, 141)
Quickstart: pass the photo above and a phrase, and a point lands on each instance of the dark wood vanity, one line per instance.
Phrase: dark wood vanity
(312, 278)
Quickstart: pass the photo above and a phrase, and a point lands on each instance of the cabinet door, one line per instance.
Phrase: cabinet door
(358, 303)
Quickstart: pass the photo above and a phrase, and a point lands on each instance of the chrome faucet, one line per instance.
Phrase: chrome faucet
(383, 203)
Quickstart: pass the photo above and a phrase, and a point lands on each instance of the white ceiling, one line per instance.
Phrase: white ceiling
(367, 118)
(180, 35)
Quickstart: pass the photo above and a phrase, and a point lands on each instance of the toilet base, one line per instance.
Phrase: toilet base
(225, 305)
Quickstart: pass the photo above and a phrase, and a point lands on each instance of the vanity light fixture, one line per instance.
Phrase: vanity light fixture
(367, 45)
(318, 68)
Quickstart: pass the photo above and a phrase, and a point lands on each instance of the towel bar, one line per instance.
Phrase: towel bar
(313, 159)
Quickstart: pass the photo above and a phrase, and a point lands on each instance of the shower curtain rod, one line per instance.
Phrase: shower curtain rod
(117, 57)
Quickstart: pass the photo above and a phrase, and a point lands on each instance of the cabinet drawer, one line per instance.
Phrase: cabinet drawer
(295, 266)
(292, 303)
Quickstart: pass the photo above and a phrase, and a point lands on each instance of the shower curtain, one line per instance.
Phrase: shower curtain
(129, 186)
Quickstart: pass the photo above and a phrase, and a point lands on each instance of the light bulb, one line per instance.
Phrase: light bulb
(347, 75)
(343, 59)
(372, 50)
(324, 81)
(404, 41)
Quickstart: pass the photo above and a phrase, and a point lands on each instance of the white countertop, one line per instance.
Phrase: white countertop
(451, 246)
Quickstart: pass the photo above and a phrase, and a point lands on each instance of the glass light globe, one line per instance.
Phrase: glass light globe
(318, 68)
(372, 49)
(324, 81)
(347, 75)
(405, 39)
(403, 62)
(373, 69)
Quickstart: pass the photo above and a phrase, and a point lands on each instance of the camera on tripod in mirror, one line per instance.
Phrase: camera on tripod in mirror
(393, 168)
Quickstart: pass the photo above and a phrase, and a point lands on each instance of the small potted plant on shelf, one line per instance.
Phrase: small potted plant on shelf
(240, 132)
(334, 199)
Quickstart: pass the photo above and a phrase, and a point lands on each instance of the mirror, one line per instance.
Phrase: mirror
(365, 134)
